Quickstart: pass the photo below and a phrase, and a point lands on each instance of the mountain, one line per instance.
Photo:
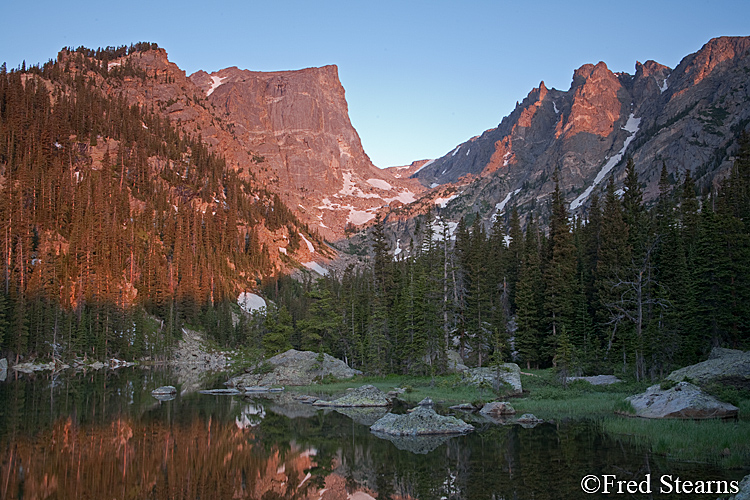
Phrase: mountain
(687, 118)
(288, 130)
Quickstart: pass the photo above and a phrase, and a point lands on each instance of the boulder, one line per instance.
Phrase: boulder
(427, 402)
(529, 420)
(744, 493)
(295, 368)
(362, 397)
(498, 409)
(455, 362)
(3, 364)
(596, 379)
(684, 400)
(495, 377)
(723, 366)
(422, 421)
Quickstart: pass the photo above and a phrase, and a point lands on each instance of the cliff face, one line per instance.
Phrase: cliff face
(688, 118)
(297, 125)
(289, 131)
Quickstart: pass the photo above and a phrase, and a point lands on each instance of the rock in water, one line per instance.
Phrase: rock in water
(684, 400)
(165, 389)
(164, 393)
(422, 421)
(723, 366)
(362, 397)
(498, 409)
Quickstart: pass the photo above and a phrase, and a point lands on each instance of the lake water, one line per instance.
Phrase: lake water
(103, 436)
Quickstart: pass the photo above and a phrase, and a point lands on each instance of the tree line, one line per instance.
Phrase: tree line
(626, 288)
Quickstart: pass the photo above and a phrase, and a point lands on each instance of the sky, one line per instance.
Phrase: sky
(420, 76)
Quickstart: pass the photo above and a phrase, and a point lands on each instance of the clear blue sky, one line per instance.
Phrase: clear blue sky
(420, 76)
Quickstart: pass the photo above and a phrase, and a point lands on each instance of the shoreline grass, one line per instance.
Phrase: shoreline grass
(721, 443)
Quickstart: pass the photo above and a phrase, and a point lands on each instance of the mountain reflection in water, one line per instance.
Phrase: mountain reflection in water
(102, 436)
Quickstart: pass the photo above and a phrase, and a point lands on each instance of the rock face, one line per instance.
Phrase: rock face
(723, 366)
(422, 421)
(362, 397)
(684, 400)
(688, 117)
(295, 368)
(494, 377)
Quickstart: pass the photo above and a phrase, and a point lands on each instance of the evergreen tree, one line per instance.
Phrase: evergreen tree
(560, 274)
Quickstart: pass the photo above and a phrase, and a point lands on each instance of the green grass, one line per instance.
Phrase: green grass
(725, 444)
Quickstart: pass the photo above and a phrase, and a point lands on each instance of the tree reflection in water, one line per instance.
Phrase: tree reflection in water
(104, 437)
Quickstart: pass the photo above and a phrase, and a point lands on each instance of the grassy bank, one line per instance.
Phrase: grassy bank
(726, 444)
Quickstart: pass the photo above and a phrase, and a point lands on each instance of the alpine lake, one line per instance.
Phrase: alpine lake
(102, 435)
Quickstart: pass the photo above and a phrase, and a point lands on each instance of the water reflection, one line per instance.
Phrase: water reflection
(103, 436)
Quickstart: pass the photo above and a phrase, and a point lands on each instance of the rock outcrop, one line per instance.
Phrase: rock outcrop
(683, 401)
(361, 397)
(498, 409)
(508, 374)
(723, 366)
(295, 368)
(422, 421)
(689, 118)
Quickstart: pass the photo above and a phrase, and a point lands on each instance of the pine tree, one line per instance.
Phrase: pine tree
(560, 274)
(529, 301)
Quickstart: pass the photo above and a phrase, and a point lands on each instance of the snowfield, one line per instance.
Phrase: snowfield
(250, 302)
(632, 127)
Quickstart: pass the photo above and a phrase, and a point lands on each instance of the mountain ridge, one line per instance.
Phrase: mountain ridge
(689, 118)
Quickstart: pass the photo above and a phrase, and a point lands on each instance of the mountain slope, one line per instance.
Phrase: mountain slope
(288, 130)
(688, 118)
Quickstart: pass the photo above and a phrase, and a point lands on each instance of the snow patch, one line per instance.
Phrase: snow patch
(455, 151)
(631, 126)
(310, 246)
(434, 185)
(359, 217)
(665, 84)
(404, 197)
(500, 206)
(314, 266)
(113, 65)
(215, 85)
(398, 249)
(468, 151)
(442, 202)
(283, 250)
(439, 226)
(554, 106)
(380, 184)
(250, 302)
(425, 165)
